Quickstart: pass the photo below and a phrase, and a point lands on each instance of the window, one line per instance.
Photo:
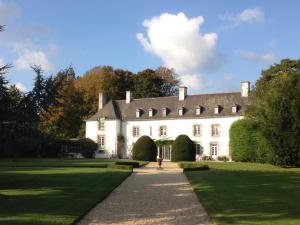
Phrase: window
(138, 113)
(164, 112)
(136, 131)
(150, 131)
(150, 112)
(101, 142)
(215, 130)
(199, 149)
(180, 111)
(163, 131)
(197, 130)
(234, 109)
(217, 109)
(214, 150)
(101, 124)
(198, 110)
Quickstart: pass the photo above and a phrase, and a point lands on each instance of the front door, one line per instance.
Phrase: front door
(214, 150)
(166, 152)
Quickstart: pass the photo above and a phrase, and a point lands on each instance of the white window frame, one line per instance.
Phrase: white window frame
(214, 149)
(180, 112)
(217, 110)
(101, 142)
(215, 130)
(164, 112)
(197, 130)
(234, 109)
(135, 131)
(162, 131)
(137, 113)
(150, 113)
(198, 110)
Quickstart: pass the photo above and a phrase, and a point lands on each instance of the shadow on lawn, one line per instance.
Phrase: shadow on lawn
(249, 197)
(55, 196)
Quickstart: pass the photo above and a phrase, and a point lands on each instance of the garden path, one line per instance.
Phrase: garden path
(150, 196)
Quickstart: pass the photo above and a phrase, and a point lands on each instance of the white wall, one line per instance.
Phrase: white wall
(111, 131)
(182, 126)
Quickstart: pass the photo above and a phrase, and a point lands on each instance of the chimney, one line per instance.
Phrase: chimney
(128, 97)
(102, 100)
(245, 88)
(182, 93)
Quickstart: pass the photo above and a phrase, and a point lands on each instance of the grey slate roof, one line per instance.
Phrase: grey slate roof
(118, 109)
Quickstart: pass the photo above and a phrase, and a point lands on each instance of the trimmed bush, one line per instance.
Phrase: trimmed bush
(144, 149)
(87, 147)
(127, 163)
(247, 143)
(183, 149)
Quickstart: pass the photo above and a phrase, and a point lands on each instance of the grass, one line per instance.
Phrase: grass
(52, 162)
(50, 191)
(248, 193)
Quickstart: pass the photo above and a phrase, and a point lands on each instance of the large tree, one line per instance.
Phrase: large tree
(276, 107)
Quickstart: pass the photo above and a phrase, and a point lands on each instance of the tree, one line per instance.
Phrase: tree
(276, 107)
(170, 81)
(144, 149)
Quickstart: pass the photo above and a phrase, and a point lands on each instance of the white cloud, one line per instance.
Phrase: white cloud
(250, 16)
(27, 43)
(28, 58)
(2, 63)
(21, 87)
(252, 56)
(177, 40)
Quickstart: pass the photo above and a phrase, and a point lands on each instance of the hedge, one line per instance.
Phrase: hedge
(133, 164)
(183, 149)
(144, 149)
(247, 143)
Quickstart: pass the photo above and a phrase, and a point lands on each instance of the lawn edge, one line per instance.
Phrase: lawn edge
(76, 221)
(209, 215)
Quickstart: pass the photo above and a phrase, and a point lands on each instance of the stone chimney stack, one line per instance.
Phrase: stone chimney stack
(128, 97)
(102, 100)
(245, 88)
(182, 93)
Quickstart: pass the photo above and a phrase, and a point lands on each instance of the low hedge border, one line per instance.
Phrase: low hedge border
(193, 166)
(133, 164)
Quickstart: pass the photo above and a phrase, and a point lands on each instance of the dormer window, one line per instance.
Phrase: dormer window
(181, 111)
(217, 109)
(198, 110)
(234, 109)
(150, 112)
(137, 113)
(164, 112)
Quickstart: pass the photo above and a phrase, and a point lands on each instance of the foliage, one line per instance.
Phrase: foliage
(163, 142)
(183, 149)
(276, 98)
(247, 143)
(133, 164)
(144, 149)
(193, 166)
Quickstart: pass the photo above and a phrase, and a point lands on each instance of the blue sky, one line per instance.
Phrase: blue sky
(212, 45)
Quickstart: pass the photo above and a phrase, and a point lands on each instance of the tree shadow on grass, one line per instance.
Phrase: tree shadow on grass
(51, 195)
(249, 197)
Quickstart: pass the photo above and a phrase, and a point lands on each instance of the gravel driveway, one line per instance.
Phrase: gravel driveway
(150, 196)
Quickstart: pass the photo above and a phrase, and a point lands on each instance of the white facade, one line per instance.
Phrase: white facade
(175, 127)
(206, 119)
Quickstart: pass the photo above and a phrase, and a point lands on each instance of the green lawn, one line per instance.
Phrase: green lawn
(53, 195)
(249, 193)
(48, 162)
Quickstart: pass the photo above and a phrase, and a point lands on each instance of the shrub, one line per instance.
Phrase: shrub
(144, 149)
(87, 147)
(128, 163)
(183, 149)
(247, 143)
(223, 158)
(193, 166)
